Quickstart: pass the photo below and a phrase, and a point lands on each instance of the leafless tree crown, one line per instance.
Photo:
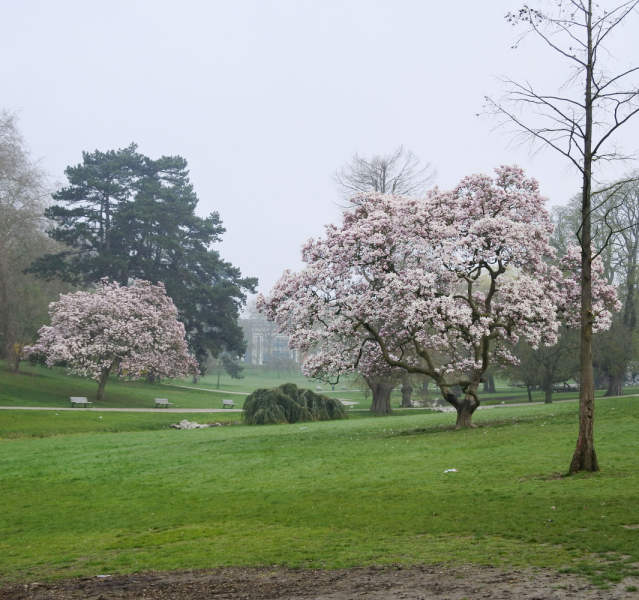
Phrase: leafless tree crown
(578, 31)
(398, 173)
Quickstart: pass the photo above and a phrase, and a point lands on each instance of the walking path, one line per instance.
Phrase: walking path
(239, 410)
(188, 387)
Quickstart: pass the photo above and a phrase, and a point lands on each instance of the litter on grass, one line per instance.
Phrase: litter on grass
(184, 424)
(451, 471)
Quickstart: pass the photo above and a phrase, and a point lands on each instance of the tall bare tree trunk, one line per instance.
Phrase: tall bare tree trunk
(529, 393)
(585, 457)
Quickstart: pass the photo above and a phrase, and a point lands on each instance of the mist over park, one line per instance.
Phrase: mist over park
(319, 299)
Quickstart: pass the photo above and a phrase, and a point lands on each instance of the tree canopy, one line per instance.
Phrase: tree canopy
(442, 286)
(128, 217)
(128, 330)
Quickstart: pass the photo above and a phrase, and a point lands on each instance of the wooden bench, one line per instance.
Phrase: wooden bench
(344, 388)
(81, 401)
(318, 388)
(162, 402)
(228, 403)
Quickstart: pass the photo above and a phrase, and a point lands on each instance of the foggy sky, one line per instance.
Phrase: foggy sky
(267, 99)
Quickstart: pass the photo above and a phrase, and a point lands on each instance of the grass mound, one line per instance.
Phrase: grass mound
(290, 404)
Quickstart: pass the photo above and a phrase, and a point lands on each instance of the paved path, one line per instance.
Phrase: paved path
(511, 404)
(188, 387)
(238, 410)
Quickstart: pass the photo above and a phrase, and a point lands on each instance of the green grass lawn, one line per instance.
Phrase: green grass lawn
(81, 495)
(40, 386)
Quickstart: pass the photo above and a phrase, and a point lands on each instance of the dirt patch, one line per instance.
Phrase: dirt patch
(416, 583)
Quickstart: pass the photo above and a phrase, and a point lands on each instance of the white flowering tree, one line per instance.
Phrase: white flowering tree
(128, 331)
(443, 286)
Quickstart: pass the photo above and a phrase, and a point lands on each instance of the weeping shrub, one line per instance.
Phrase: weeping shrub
(290, 404)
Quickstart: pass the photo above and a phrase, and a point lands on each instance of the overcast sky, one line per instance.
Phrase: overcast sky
(267, 99)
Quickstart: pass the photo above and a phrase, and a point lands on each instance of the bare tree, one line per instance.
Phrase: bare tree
(579, 121)
(23, 196)
(396, 173)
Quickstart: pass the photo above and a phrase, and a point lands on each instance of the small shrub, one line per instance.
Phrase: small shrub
(290, 404)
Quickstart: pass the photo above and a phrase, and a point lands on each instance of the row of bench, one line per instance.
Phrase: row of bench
(159, 402)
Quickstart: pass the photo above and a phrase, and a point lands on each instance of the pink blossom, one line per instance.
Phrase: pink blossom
(443, 285)
(129, 330)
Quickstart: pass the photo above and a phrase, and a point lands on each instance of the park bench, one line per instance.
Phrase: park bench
(318, 388)
(344, 388)
(80, 401)
(162, 402)
(228, 403)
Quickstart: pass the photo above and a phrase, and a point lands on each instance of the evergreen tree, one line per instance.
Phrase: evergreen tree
(84, 215)
(128, 217)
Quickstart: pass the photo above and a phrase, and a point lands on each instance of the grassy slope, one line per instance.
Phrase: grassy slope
(363, 491)
(39, 386)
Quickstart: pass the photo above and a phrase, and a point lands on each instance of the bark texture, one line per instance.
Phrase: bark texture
(615, 387)
(465, 407)
(381, 389)
(585, 457)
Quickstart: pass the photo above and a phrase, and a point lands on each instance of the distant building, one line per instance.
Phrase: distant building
(264, 343)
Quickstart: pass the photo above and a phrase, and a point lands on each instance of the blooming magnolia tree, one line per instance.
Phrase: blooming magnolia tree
(442, 286)
(130, 331)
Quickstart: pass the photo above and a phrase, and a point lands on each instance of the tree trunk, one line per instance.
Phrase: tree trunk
(407, 390)
(15, 358)
(615, 387)
(196, 378)
(425, 388)
(585, 457)
(104, 376)
(381, 388)
(150, 378)
(465, 407)
(548, 394)
(529, 393)
(489, 384)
